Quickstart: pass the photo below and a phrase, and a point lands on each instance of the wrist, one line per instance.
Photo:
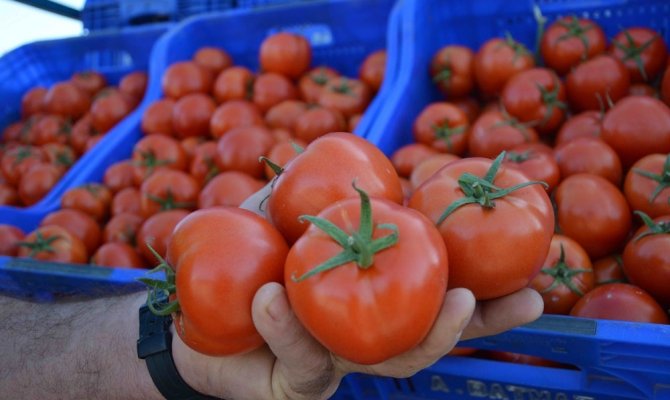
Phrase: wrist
(190, 365)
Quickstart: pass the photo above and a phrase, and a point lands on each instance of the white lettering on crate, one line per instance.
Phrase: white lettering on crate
(500, 391)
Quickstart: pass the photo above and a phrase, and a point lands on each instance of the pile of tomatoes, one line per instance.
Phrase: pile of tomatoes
(587, 116)
(58, 124)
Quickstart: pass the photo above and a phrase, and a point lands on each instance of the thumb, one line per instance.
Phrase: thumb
(304, 368)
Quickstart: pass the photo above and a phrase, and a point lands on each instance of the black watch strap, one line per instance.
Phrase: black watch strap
(155, 347)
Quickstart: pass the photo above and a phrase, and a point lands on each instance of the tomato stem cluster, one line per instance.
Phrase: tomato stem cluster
(41, 244)
(659, 228)
(563, 274)
(482, 190)
(157, 287)
(663, 178)
(634, 52)
(359, 247)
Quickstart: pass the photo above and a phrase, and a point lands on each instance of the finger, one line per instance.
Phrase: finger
(256, 202)
(495, 316)
(457, 309)
(304, 368)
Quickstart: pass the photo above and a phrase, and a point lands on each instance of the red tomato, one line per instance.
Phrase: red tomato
(408, 156)
(133, 86)
(622, 302)
(89, 81)
(51, 129)
(241, 148)
(609, 270)
(32, 102)
(123, 228)
(191, 115)
(168, 190)
(597, 82)
(565, 277)
(117, 255)
(119, 175)
(314, 81)
(442, 126)
(37, 182)
(59, 155)
(373, 69)
(185, 77)
(108, 108)
(585, 124)
(8, 195)
(536, 95)
(10, 236)
(318, 121)
(155, 152)
(646, 258)
(643, 52)
(349, 96)
(157, 118)
(18, 160)
(402, 281)
(593, 212)
(470, 106)
(495, 131)
(80, 134)
(79, 224)
(213, 59)
(127, 200)
(480, 224)
(452, 70)
(229, 188)
(189, 145)
(590, 155)
(637, 126)
(156, 232)
(497, 61)
(426, 168)
(67, 100)
(647, 185)
(203, 165)
(93, 199)
(569, 41)
(234, 83)
(271, 89)
(284, 114)
(53, 243)
(206, 250)
(536, 161)
(285, 53)
(323, 173)
(281, 153)
(234, 114)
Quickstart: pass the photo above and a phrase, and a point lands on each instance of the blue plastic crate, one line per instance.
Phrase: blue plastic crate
(116, 14)
(266, 3)
(47, 62)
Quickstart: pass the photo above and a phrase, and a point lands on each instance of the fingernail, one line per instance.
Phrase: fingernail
(278, 307)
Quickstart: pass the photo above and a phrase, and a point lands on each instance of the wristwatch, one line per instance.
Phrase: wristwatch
(155, 347)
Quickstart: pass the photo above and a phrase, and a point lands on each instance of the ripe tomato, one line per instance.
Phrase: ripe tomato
(127, 200)
(642, 50)
(349, 96)
(155, 152)
(281, 153)
(495, 131)
(51, 129)
(480, 224)
(637, 126)
(378, 261)
(271, 89)
(18, 160)
(89, 81)
(469, 105)
(536, 95)
(241, 149)
(569, 41)
(67, 100)
(229, 188)
(407, 157)
(79, 224)
(622, 302)
(593, 212)
(234, 114)
(8, 195)
(59, 155)
(442, 126)
(133, 86)
(234, 83)
(119, 175)
(157, 118)
(322, 174)
(189, 145)
(10, 236)
(93, 199)
(122, 227)
(597, 82)
(213, 59)
(109, 107)
(206, 250)
(117, 255)
(318, 121)
(32, 102)
(37, 182)
(585, 124)
(284, 114)
(646, 258)
(426, 168)
(609, 269)
(156, 232)
(191, 115)
(312, 83)
(497, 61)
(373, 69)
(185, 77)
(590, 155)
(537, 161)
(285, 53)
(168, 190)
(53, 243)
(647, 185)
(452, 70)
(203, 165)
(80, 134)
(565, 277)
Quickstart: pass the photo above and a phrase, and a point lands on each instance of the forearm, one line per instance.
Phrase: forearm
(74, 350)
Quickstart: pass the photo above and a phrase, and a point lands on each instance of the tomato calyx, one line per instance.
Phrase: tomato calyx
(663, 178)
(514, 123)
(358, 247)
(632, 51)
(150, 161)
(519, 49)
(23, 153)
(169, 202)
(660, 228)
(575, 29)
(444, 132)
(93, 188)
(563, 275)
(344, 88)
(65, 129)
(156, 287)
(319, 77)
(40, 245)
(551, 101)
(64, 159)
(482, 191)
